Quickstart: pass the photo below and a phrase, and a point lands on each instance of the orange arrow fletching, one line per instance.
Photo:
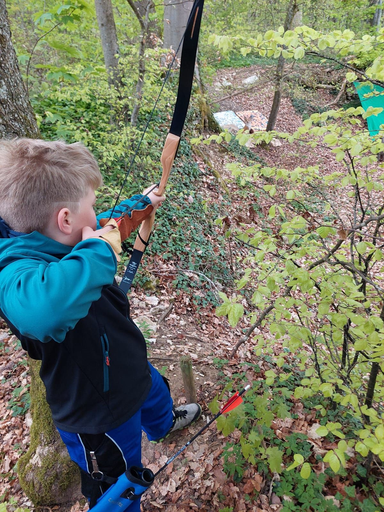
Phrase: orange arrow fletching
(232, 403)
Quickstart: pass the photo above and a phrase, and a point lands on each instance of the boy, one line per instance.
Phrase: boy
(59, 297)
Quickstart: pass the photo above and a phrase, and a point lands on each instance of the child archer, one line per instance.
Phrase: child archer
(59, 297)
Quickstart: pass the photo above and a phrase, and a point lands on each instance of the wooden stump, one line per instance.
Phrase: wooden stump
(188, 379)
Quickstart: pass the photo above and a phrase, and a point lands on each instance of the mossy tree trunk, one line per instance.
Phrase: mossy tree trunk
(46, 474)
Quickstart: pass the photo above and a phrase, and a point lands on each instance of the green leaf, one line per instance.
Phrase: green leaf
(275, 459)
(70, 50)
(305, 472)
(290, 194)
(350, 491)
(338, 433)
(226, 424)
(379, 432)
(242, 282)
(331, 139)
(327, 389)
(362, 449)
(46, 16)
(324, 231)
(235, 313)
(332, 460)
(322, 431)
(322, 44)
(247, 449)
(351, 77)
(299, 53)
(223, 309)
(257, 297)
(298, 460)
(214, 405)
(87, 6)
(361, 247)
(356, 149)
(361, 345)
(323, 308)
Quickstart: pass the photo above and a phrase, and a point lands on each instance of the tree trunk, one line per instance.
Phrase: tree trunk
(376, 19)
(372, 384)
(108, 36)
(16, 115)
(205, 112)
(292, 10)
(45, 472)
(176, 16)
(47, 475)
(144, 30)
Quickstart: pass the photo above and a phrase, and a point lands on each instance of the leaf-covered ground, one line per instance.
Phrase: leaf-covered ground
(176, 327)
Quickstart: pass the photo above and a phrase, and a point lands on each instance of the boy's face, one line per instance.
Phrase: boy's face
(85, 216)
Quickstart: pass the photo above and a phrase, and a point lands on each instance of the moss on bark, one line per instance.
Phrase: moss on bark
(46, 473)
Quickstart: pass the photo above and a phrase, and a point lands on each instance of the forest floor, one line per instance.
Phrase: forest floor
(195, 480)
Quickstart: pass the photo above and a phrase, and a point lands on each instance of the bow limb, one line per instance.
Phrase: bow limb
(187, 68)
(167, 158)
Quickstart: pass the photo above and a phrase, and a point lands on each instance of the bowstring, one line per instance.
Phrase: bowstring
(129, 170)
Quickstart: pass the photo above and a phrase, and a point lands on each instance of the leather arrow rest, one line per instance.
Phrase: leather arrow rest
(129, 222)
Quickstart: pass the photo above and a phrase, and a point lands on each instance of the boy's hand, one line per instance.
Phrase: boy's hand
(156, 200)
(109, 233)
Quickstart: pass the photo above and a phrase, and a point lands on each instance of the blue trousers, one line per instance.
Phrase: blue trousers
(154, 418)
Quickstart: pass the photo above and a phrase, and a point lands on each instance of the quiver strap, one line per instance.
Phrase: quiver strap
(130, 221)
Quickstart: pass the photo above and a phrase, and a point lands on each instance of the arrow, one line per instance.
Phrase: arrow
(231, 404)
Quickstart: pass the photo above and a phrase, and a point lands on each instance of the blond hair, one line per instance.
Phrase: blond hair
(38, 177)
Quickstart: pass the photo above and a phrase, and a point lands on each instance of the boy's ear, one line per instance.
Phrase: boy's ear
(64, 221)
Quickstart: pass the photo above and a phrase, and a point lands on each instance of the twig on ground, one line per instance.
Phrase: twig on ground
(165, 314)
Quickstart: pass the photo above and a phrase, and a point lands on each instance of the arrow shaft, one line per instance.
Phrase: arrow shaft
(222, 411)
